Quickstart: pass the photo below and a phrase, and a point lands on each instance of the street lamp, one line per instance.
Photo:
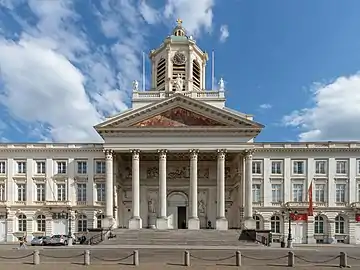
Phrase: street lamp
(6, 224)
(290, 213)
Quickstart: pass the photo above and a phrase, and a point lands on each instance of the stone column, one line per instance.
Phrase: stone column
(135, 222)
(109, 220)
(161, 221)
(248, 207)
(194, 222)
(221, 221)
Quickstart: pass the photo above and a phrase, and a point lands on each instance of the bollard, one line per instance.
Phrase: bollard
(343, 260)
(238, 258)
(36, 257)
(136, 257)
(291, 259)
(87, 257)
(187, 258)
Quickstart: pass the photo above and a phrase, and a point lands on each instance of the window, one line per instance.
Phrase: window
(298, 191)
(275, 224)
(61, 167)
(276, 167)
(40, 167)
(2, 193)
(319, 192)
(258, 222)
(256, 189)
(21, 192)
(100, 167)
(341, 166)
(81, 192)
(339, 225)
(276, 195)
(256, 167)
(82, 223)
(2, 167)
(358, 166)
(298, 167)
(319, 225)
(340, 193)
(82, 167)
(100, 192)
(22, 223)
(61, 192)
(99, 219)
(358, 198)
(40, 192)
(41, 223)
(21, 167)
(320, 167)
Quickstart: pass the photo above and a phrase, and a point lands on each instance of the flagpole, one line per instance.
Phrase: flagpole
(143, 71)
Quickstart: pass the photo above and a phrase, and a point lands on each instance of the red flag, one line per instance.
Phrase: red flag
(311, 207)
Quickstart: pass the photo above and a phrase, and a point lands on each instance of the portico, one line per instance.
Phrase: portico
(157, 207)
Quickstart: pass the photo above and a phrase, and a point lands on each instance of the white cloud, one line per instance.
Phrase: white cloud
(224, 33)
(150, 15)
(335, 114)
(265, 106)
(196, 15)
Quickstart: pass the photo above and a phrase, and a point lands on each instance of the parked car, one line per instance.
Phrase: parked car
(40, 241)
(59, 240)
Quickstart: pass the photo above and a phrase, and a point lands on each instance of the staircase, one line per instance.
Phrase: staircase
(176, 237)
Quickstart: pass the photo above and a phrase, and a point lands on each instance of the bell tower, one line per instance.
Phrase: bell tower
(178, 65)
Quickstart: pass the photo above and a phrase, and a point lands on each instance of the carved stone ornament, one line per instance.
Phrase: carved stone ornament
(227, 172)
(179, 58)
(248, 153)
(221, 153)
(152, 201)
(194, 154)
(135, 154)
(152, 172)
(108, 154)
(162, 153)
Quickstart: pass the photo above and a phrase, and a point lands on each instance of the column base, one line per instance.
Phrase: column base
(222, 224)
(250, 223)
(135, 223)
(194, 224)
(108, 223)
(162, 223)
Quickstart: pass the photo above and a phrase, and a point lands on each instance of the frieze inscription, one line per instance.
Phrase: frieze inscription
(177, 172)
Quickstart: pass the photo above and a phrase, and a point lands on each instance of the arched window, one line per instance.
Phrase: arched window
(82, 223)
(275, 224)
(22, 223)
(319, 225)
(258, 222)
(196, 74)
(339, 225)
(41, 223)
(99, 220)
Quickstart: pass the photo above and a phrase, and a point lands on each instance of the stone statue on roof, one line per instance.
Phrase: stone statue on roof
(135, 85)
(221, 84)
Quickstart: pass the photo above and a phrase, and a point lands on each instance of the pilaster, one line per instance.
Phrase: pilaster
(248, 211)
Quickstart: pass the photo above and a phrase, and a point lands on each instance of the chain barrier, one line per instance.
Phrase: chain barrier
(316, 262)
(112, 260)
(212, 260)
(61, 257)
(263, 259)
(353, 258)
(16, 258)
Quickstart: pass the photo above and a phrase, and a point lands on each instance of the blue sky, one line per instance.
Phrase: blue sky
(66, 65)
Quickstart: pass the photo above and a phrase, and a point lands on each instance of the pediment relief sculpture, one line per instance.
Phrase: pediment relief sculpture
(178, 117)
(177, 172)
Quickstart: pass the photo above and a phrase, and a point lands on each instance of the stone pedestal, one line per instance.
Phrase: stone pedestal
(250, 224)
(222, 224)
(194, 224)
(108, 223)
(152, 221)
(162, 223)
(135, 223)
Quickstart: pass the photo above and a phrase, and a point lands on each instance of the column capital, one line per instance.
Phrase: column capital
(248, 154)
(194, 153)
(135, 153)
(108, 154)
(162, 153)
(221, 153)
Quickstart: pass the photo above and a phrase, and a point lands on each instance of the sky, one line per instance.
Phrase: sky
(67, 65)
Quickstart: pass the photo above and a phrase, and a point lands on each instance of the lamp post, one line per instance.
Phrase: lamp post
(289, 212)
(69, 220)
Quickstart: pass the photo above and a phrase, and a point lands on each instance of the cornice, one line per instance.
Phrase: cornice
(38, 147)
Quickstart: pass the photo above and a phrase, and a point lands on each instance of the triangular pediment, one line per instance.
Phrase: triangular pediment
(178, 111)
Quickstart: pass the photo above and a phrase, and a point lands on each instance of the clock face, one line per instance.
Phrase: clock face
(179, 58)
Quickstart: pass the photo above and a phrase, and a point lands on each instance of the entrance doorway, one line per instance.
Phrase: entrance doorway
(181, 213)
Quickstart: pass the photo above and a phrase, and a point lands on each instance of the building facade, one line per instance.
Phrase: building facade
(179, 158)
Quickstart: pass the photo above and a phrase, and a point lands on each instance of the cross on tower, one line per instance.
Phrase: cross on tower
(179, 22)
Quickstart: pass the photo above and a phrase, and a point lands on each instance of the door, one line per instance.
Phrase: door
(60, 226)
(181, 217)
(2, 229)
(297, 230)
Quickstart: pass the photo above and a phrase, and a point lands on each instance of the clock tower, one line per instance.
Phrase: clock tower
(178, 67)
